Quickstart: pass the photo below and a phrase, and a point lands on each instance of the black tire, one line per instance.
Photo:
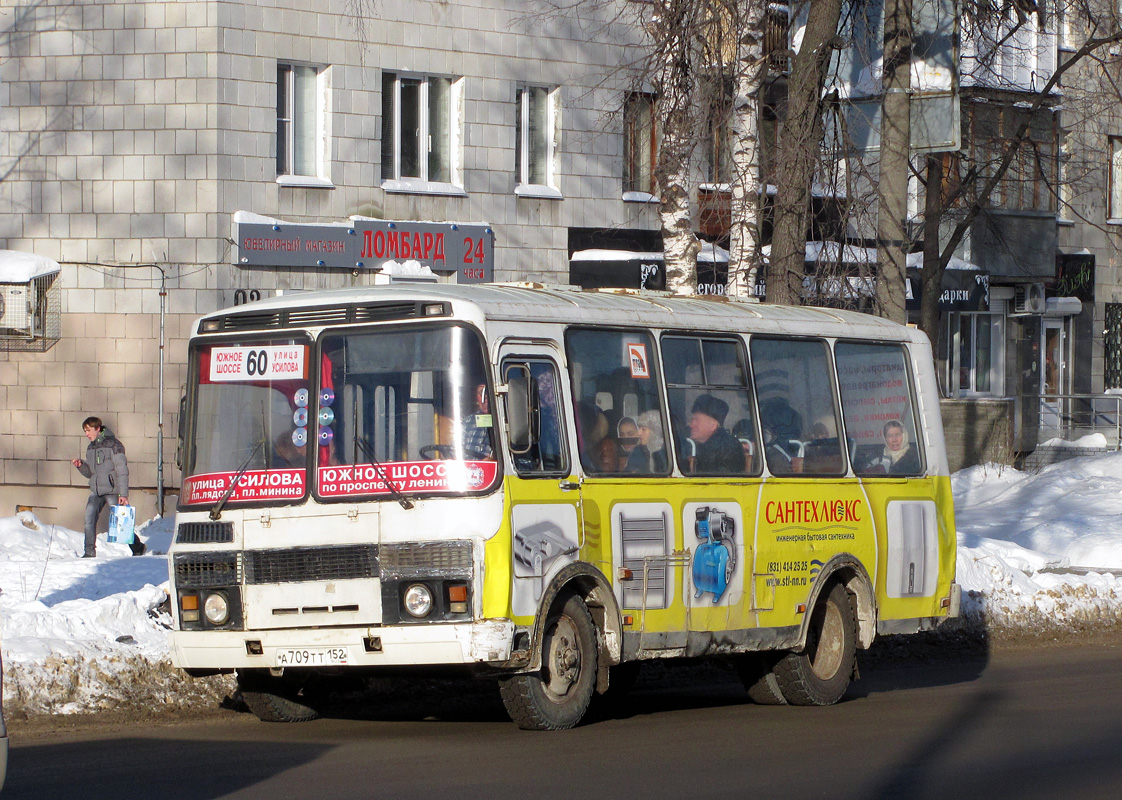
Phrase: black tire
(757, 673)
(820, 673)
(556, 696)
(274, 699)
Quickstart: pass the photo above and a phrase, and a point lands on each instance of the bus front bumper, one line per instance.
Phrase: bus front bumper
(483, 642)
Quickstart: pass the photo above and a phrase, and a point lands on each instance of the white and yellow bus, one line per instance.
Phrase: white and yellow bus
(546, 486)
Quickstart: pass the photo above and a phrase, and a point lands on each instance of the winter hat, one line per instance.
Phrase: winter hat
(712, 407)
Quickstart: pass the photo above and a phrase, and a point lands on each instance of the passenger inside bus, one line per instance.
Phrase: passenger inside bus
(901, 457)
(649, 456)
(598, 451)
(627, 439)
(476, 427)
(823, 452)
(718, 451)
(744, 434)
(287, 454)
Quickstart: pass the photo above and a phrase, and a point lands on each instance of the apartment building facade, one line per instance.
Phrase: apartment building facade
(150, 152)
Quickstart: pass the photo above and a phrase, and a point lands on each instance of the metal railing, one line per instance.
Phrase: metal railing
(1073, 416)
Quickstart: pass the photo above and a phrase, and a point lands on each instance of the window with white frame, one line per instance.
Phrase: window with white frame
(1114, 210)
(420, 131)
(640, 144)
(981, 364)
(536, 139)
(299, 121)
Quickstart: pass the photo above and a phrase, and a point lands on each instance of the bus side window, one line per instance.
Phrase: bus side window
(879, 409)
(711, 411)
(618, 412)
(546, 455)
(798, 412)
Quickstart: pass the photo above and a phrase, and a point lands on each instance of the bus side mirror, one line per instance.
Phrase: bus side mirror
(520, 407)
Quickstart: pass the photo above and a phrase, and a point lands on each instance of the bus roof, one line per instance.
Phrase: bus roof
(525, 302)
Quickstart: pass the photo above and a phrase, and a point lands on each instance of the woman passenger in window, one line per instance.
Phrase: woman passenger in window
(649, 456)
(627, 438)
(900, 456)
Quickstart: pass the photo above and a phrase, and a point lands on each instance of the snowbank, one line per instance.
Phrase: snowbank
(1035, 551)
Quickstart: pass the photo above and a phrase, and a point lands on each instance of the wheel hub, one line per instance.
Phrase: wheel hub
(564, 658)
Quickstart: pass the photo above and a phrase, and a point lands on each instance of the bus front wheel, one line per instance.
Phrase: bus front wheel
(819, 674)
(557, 695)
(275, 699)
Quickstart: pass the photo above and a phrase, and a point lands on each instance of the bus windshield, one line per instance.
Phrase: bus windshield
(250, 422)
(404, 411)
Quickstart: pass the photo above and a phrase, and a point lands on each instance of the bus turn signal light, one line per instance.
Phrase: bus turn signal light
(457, 598)
(189, 607)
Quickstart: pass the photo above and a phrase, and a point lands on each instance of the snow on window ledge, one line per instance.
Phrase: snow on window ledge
(639, 197)
(408, 186)
(305, 181)
(538, 190)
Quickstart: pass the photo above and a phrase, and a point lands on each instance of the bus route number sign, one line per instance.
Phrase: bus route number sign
(258, 363)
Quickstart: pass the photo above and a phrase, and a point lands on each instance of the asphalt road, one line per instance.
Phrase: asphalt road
(1025, 723)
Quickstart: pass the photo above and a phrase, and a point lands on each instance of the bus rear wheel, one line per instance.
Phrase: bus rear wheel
(757, 673)
(275, 699)
(557, 695)
(819, 674)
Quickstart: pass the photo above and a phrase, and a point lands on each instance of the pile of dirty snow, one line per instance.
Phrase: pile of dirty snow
(1035, 551)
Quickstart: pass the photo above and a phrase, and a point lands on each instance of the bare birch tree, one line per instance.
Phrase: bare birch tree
(798, 151)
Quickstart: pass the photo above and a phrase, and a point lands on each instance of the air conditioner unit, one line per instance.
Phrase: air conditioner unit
(15, 308)
(1028, 298)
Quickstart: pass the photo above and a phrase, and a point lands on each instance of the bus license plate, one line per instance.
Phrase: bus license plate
(313, 656)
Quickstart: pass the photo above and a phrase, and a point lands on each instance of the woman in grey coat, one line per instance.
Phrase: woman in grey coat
(108, 470)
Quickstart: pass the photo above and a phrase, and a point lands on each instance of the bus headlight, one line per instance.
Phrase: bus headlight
(418, 600)
(216, 608)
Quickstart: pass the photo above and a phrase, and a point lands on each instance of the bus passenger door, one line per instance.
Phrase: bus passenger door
(544, 503)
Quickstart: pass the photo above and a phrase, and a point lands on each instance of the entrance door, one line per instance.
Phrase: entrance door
(1053, 375)
(545, 513)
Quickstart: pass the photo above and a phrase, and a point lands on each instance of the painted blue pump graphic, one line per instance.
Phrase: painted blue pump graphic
(714, 560)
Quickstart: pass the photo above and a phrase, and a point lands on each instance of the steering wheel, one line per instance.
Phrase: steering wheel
(433, 451)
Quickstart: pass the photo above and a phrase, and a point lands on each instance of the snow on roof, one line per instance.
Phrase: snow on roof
(709, 253)
(915, 261)
(19, 267)
(830, 252)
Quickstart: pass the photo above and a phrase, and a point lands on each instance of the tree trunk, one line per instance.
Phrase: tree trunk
(932, 280)
(744, 247)
(797, 153)
(674, 23)
(895, 154)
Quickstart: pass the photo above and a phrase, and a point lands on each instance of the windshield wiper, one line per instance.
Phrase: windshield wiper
(368, 451)
(216, 512)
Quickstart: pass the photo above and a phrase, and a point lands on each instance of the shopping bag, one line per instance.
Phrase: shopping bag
(122, 522)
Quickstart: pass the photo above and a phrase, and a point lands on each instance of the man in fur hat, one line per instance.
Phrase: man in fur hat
(718, 451)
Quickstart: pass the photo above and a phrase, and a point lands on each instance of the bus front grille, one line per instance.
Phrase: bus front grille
(204, 533)
(202, 570)
(427, 558)
(295, 564)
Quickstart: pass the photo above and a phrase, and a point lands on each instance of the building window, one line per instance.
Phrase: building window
(536, 129)
(1112, 347)
(1114, 212)
(980, 362)
(718, 99)
(1029, 182)
(420, 131)
(640, 143)
(299, 115)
